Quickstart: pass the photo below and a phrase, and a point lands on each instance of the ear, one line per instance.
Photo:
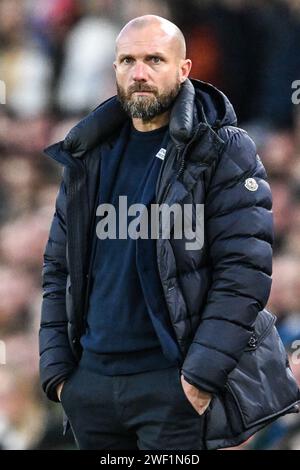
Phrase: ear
(185, 68)
(114, 65)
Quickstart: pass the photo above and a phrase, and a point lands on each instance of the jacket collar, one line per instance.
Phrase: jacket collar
(195, 102)
(102, 123)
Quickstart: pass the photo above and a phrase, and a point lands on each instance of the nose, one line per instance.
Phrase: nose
(140, 72)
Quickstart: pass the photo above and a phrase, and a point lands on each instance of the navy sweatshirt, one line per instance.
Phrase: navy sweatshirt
(127, 333)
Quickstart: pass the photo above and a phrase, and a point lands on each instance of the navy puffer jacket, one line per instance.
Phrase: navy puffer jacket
(216, 294)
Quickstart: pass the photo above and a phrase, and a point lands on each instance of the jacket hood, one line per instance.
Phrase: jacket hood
(218, 109)
(197, 101)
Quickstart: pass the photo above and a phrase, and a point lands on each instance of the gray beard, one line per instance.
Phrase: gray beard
(146, 108)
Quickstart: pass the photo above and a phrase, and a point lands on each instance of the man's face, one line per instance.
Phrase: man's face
(148, 72)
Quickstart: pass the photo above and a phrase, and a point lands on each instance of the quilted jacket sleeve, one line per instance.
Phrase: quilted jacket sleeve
(56, 358)
(239, 231)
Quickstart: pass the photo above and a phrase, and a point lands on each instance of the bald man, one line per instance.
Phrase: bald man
(139, 332)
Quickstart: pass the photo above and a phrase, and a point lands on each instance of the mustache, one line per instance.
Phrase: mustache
(141, 87)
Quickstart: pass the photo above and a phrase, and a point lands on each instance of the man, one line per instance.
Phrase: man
(138, 334)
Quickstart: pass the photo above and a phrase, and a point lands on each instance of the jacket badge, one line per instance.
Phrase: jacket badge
(251, 184)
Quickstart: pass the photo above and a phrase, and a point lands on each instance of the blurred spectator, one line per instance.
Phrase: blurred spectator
(278, 153)
(25, 70)
(21, 413)
(22, 242)
(16, 292)
(282, 210)
(86, 77)
(284, 298)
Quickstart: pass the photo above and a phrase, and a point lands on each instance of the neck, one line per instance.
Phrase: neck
(155, 123)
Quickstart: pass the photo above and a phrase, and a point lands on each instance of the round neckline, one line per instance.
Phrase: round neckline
(135, 133)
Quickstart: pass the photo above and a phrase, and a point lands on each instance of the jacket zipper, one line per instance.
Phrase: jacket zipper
(254, 344)
(182, 162)
(166, 190)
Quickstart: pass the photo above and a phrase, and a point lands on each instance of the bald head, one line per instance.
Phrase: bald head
(168, 31)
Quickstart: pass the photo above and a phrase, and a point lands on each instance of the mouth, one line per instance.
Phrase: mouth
(142, 92)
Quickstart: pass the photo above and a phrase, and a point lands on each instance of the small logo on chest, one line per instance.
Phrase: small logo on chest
(161, 154)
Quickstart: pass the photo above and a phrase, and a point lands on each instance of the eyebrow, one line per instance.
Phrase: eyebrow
(153, 54)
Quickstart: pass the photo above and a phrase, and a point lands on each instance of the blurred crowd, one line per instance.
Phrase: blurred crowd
(55, 66)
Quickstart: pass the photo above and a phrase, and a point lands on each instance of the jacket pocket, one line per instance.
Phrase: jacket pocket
(259, 390)
(262, 384)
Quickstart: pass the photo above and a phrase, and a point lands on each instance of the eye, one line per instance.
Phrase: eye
(127, 60)
(155, 59)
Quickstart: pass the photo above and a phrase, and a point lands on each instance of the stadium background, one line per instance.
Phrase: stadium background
(55, 61)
